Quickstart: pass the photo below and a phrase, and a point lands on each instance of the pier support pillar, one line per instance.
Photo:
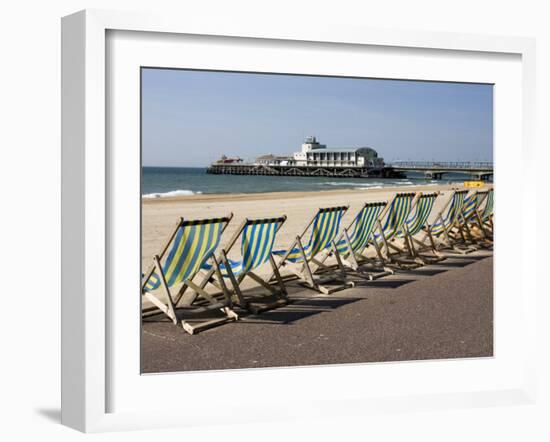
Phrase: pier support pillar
(433, 175)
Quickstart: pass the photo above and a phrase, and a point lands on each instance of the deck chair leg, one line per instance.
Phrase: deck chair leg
(414, 251)
(383, 239)
(306, 269)
(461, 231)
(234, 282)
(278, 276)
(171, 307)
(189, 298)
(180, 294)
(261, 282)
(352, 259)
(431, 238)
(160, 305)
(221, 283)
(378, 252)
(449, 242)
(338, 260)
(468, 232)
(406, 240)
(482, 226)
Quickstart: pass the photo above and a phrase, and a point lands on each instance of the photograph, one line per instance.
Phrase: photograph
(292, 220)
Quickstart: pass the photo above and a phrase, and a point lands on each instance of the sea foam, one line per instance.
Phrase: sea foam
(171, 194)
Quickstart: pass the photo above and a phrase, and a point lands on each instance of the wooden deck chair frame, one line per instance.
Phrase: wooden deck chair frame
(256, 304)
(387, 243)
(459, 233)
(443, 242)
(313, 272)
(408, 256)
(178, 301)
(465, 224)
(356, 262)
(485, 226)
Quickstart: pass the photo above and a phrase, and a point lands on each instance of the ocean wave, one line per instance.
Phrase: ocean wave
(340, 183)
(171, 193)
(348, 184)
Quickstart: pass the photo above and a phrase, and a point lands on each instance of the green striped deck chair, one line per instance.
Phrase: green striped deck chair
(462, 231)
(484, 216)
(487, 213)
(397, 214)
(355, 239)
(416, 222)
(307, 262)
(257, 240)
(188, 248)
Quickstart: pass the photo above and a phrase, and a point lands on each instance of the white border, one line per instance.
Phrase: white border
(84, 202)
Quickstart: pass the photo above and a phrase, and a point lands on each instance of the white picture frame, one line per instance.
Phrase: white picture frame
(87, 211)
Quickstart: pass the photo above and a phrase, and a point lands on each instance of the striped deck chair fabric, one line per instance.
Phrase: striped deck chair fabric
(194, 243)
(471, 203)
(258, 238)
(483, 218)
(418, 219)
(488, 209)
(453, 213)
(191, 244)
(398, 212)
(325, 228)
(364, 225)
(307, 262)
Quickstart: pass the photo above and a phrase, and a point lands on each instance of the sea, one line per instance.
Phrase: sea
(159, 182)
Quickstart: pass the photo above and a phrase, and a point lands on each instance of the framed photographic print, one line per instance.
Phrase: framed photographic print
(275, 221)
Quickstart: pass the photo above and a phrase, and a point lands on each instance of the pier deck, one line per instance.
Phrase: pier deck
(305, 171)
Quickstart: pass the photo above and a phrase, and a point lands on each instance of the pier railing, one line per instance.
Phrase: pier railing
(448, 165)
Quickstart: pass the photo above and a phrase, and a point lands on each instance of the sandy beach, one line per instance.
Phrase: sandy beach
(159, 215)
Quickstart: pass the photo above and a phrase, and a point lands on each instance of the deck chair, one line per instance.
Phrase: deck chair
(437, 237)
(257, 240)
(472, 202)
(355, 239)
(416, 222)
(192, 243)
(307, 262)
(398, 212)
(483, 218)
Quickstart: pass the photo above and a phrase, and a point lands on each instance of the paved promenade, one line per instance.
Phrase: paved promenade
(437, 311)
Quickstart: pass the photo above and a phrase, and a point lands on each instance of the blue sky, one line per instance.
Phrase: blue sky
(191, 118)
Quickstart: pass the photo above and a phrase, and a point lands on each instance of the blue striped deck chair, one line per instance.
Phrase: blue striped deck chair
(307, 262)
(450, 217)
(399, 209)
(189, 247)
(355, 239)
(257, 240)
(416, 222)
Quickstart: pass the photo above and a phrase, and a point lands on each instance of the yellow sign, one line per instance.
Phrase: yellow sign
(473, 184)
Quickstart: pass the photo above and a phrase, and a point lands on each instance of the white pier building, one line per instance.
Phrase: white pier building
(315, 154)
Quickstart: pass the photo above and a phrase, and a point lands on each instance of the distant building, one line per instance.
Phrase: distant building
(273, 160)
(315, 154)
(226, 160)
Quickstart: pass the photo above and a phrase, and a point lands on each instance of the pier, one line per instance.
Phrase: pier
(435, 170)
(397, 169)
(305, 171)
